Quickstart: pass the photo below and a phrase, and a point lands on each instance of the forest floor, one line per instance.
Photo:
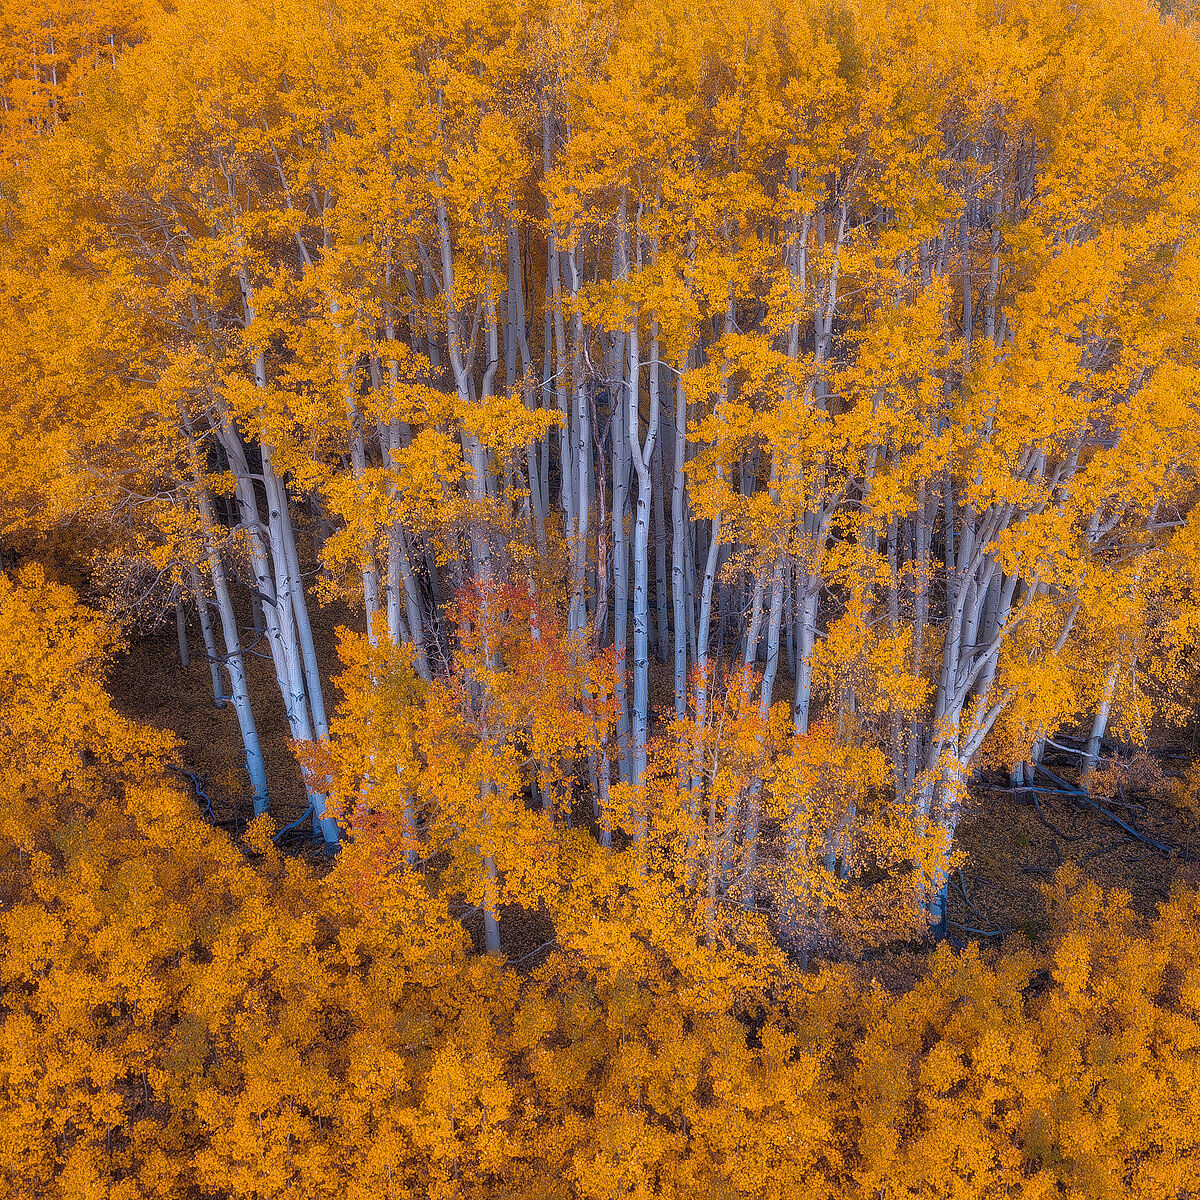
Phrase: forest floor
(1012, 845)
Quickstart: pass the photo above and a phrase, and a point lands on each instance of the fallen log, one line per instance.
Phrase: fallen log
(1084, 798)
(1144, 838)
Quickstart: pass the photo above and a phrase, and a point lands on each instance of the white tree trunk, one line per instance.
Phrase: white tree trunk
(210, 641)
(1100, 720)
(754, 807)
(308, 651)
(181, 636)
(234, 665)
(680, 594)
(806, 635)
(641, 453)
(703, 667)
(581, 474)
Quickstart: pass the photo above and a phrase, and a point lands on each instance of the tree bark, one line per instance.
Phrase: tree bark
(641, 454)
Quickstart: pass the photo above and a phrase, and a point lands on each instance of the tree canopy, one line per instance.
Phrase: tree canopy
(726, 439)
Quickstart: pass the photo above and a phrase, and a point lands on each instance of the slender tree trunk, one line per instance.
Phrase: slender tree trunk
(403, 590)
(621, 437)
(660, 555)
(535, 469)
(993, 288)
(210, 641)
(181, 636)
(806, 636)
(569, 487)
(1100, 720)
(703, 628)
(750, 644)
(754, 807)
(234, 665)
(398, 630)
(473, 453)
(922, 522)
(260, 567)
(789, 623)
(641, 454)
(285, 621)
(577, 620)
(280, 516)
(358, 467)
(679, 588)
(296, 702)
(491, 917)
(620, 555)
(603, 766)
(308, 649)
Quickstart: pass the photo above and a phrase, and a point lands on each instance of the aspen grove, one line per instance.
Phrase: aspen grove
(726, 437)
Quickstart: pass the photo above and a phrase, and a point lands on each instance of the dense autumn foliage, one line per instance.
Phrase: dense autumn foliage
(185, 1015)
(724, 436)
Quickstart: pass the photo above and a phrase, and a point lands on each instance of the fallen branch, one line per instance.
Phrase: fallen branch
(1127, 804)
(513, 962)
(1105, 849)
(1062, 783)
(1066, 837)
(1066, 749)
(299, 821)
(1144, 838)
(1084, 798)
(201, 794)
(1025, 787)
(962, 887)
(980, 932)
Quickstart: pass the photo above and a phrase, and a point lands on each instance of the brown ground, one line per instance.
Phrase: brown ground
(149, 684)
(1012, 850)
